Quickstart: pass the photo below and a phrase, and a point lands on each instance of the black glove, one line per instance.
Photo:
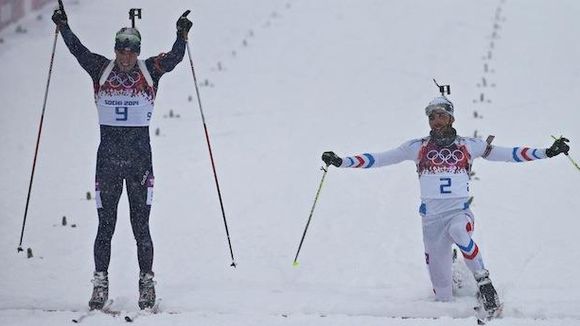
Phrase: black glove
(331, 158)
(184, 24)
(59, 16)
(559, 146)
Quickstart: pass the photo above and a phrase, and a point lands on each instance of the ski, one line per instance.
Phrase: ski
(400, 317)
(106, 310)
(145, 312)
(484, 316)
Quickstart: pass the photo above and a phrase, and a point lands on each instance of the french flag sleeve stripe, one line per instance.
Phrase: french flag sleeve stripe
(515, 154)
(525, 154)
(371, 160)
(360, 160)
(350, 162)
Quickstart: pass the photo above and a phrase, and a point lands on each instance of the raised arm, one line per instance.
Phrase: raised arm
(91, 62)
(166, 62)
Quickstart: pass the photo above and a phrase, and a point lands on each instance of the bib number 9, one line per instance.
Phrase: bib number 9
(122, 113)
(445, 186)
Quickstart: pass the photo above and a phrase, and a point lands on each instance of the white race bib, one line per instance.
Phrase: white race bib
(125, 99)
(124, 111)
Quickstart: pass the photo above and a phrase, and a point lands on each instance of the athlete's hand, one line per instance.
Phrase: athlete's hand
(559, 146)
(59, 16)
(331, 158)
(184, 24)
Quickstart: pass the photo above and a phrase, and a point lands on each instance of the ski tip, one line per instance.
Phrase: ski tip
(295, 264)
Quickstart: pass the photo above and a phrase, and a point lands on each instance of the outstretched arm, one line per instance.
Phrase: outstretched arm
(524, 154)
(515, 154)
(407, 151)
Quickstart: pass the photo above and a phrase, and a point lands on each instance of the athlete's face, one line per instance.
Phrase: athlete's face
(126, 59)
(439, 119)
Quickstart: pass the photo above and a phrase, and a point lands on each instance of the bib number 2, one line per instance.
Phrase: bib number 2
(445, 186)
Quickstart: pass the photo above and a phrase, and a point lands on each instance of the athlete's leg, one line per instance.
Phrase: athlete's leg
(460, 230)
(140, 192)
(438, 257)
(108, 188)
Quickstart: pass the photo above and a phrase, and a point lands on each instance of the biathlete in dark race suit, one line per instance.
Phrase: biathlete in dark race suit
(125, 90)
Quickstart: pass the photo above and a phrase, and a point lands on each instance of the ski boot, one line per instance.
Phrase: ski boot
(100, 291)
(146, 290)
(487, 296)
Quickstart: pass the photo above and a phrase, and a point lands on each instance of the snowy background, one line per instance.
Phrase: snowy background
(282, 81)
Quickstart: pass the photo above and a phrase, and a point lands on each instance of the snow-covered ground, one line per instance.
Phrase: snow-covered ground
(281, 82)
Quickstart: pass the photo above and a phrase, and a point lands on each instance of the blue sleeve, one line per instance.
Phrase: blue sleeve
(165, 62)
(91, 62)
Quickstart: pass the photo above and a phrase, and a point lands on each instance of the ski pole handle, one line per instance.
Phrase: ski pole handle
(183, 24)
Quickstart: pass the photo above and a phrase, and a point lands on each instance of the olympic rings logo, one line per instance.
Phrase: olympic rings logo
(445, 156)
(124, 79)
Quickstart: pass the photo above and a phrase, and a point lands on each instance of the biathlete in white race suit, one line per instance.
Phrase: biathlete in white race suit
(125, 90)
(443, 162)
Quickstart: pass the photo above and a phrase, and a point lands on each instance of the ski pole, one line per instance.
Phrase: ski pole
(233, 264)
(38, 137)
(568, 156)
(295, 263)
